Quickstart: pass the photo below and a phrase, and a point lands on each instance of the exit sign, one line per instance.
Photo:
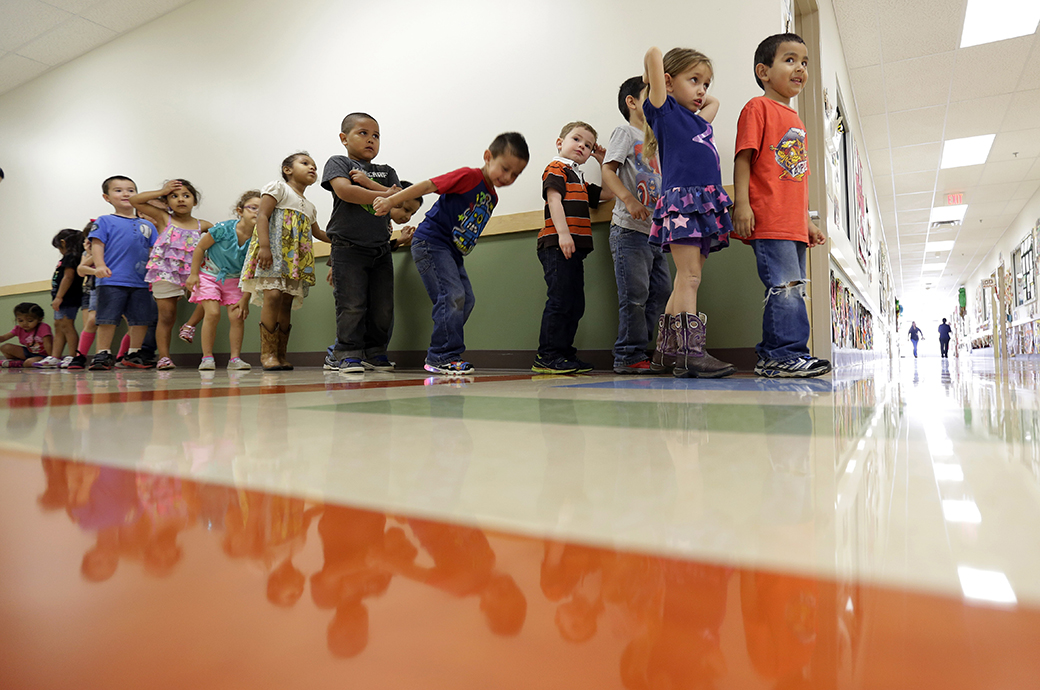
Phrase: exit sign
(954, 199)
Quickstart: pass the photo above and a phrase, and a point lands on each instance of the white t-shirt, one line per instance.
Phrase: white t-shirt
(639, 177)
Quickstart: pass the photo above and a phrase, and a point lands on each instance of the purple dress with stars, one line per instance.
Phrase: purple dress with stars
(693, 207)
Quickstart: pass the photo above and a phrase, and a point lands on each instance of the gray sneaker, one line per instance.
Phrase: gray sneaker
(799, 368)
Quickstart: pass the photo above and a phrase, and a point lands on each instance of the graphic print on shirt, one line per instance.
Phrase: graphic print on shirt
(707, 138)
(471, 222)
(792, 155)
(648, 176)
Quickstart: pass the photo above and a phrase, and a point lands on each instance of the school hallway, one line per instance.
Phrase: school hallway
(874, 528)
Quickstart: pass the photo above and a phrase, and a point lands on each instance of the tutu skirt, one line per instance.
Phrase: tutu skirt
(697, 216)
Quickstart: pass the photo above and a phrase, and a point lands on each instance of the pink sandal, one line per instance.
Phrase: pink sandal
(164, 364)
(187, 333)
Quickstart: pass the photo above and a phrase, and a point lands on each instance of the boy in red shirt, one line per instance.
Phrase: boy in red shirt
(771, 206)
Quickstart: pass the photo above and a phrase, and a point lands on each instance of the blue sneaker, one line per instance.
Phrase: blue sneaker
(456, 368)
(351, 365)
(331, 363)
(378, 363)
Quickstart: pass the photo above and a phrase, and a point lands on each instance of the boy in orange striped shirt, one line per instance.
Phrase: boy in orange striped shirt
(563, 244)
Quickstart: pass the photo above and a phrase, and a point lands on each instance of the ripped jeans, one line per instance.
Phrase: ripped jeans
(785, 321)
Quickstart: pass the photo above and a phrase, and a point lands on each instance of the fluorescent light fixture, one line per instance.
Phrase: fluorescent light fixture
(958, 153)
(940, 214)
(939, 246)
(986, 585)
(987, 21)
(933, 267)
(961, 511)
(948, 472)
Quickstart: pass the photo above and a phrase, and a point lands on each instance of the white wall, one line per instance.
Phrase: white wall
(219, 91)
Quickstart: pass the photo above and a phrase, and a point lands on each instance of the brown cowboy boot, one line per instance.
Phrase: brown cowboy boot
(664, 352)
(269, 348)
(283, 342)
(691, 359)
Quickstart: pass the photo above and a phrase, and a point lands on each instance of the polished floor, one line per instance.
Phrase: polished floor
(875, 529)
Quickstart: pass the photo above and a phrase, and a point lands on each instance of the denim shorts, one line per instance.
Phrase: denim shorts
(115, 301)
(64, 312)
(92, 305)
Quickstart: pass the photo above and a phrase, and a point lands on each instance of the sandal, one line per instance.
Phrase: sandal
(187, 333)
(165, 363)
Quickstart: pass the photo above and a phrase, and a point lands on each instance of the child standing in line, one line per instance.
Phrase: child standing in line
(88, 304)
(772, 206)
(448, 233)
(640, 268)
(170, 262)
(563, 244)
(120, 245)
(215, 269)
(691, 219)
(35, 338)
(362, 268)
(66, 298)
(280, 262)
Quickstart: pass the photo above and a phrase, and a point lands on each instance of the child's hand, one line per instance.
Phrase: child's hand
(406, 236)
(171, 186)
(382, 206)
(816, 236)
(743, 221)
(637, 210)
(102, 272)
(359, 178)
(241, 309)
(598, 153)
(56, 303)
(328, 277)
(264, 259)
(567, 246)
(192, 282)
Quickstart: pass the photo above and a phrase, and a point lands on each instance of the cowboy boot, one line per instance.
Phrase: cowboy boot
(664, 352)
(269, 348)
(283, 341)
(691, 359)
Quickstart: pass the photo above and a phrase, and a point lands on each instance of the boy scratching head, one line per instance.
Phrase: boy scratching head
(117, 191)
(359, 133)
(781, 66)
(505, 159)
(630, 100)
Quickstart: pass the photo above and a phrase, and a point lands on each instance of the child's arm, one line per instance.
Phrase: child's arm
(319, 233)
(6, 336)
(743, 216)
(240, 310)
(710, 108)
(197, 257)
(264, 259)
(140, 202)
(816, 236)
(613, 183)
(653, 74)
(86, 264)
(554, 199)
(382, 205)
(98, 250)
(359, 178)
(598, 152)
(352, 193)
(63, 287)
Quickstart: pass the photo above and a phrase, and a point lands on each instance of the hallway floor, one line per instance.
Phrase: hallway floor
(875, 529)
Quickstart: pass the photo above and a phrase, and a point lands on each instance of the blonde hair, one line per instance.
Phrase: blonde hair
(675, 62)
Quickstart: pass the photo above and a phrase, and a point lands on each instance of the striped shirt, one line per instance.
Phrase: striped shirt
(578, 196)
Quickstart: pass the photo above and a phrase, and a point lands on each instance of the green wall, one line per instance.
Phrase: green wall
(507, 281)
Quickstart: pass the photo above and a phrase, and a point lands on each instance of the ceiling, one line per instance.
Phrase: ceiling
(36, 36)
(914, 88)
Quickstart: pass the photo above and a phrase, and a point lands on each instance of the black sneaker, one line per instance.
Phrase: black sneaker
(103, 361)
(78, 362)
(378, 363)
(135, 360)
(582, 367)
(555, 366)
(799, 368)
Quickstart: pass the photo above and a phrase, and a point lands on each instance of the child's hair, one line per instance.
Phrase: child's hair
(571, 126)
(633, 86)
(246, 196)
(405, 184)
(187, 185)
(289, 160)
(510, 142)
(765, 53)
(29, 309)
(71, 238)
(105, 185)
(352, 119)
(675, 61)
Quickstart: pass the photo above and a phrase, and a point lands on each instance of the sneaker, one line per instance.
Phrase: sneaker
(642, 367)
(66, 362)
(556, 366)
(351, 365)
(331, 363)
(238, 364)
(78, 362)
(456, 368)
(165, 364)
(207, 364)
(121, 362)
(136, 360)
(47, 362)
(187, 333)
(378, 363)
(12, 364)
(582, 367)
(799, 368)
(103, 361)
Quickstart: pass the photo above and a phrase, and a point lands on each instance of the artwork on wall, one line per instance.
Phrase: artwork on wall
(832, 139)
(852, 324)
(861, 220)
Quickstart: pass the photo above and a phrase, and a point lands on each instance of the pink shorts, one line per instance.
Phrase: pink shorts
(224, 291)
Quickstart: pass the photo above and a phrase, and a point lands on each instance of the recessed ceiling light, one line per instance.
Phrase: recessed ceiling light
(939, 246)
(987, 21)
(958, 153)
(940, 214)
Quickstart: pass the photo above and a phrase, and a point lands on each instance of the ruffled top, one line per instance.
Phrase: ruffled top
(171, 256)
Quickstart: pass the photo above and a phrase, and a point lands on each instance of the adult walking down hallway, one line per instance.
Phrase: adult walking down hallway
(915, 335)
(944, 340)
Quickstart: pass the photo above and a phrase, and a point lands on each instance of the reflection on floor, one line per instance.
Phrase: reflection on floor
(303, 529)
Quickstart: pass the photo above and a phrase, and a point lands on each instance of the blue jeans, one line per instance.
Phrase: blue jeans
(643, 286)
(914, 341)
(785, 321)
(449, 289)
(564, 304)
(363, 286)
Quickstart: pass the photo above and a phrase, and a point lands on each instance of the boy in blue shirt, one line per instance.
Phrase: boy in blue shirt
(120, 244)
(448, 233)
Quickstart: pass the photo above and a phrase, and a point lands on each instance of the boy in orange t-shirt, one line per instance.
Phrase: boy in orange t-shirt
(771, 206)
